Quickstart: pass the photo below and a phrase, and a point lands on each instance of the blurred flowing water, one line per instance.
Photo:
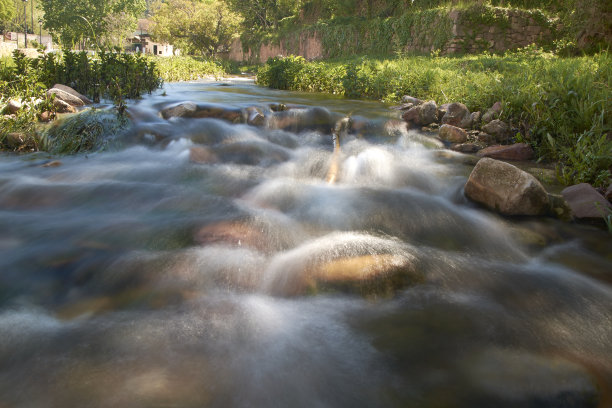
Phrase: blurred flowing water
(204, 263)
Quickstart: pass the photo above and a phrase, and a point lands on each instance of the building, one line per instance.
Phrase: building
(141, 42)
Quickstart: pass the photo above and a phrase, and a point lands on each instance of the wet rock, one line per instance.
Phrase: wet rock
(255, 117)
(63, 107)
(15, 139)
(457, 114)
(492, 113)
(52, 163)
(412, 115)
(201, 110)
(68, 95)
(506, 189)
(412, 100)
(517, 151)
(428, 113)
(233, 234)
(403, 106)
(299, 119)
(46, 116)
(14, 106)
(498, 129)
(278, 107)
(201, 154)
(586, 202)
(465, 147)
(452, 134)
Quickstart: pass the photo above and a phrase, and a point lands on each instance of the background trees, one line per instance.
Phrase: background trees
(195, 26)
(7, 11)
(75, 20)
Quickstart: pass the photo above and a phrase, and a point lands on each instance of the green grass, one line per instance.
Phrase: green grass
(186, 68)
(561, 106)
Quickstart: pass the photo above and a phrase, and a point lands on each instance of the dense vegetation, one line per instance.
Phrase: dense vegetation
(562, 106)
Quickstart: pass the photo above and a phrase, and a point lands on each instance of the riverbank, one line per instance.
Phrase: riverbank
(560, 106)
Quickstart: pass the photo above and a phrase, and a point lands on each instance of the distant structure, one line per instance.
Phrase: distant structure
(141, 42)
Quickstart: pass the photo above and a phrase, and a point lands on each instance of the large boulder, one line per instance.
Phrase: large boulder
(516, 151)
(586, 202)
(428, 113)
(457, 114)
(70, 96)
(506, 189)
(452, 134)
(498, 129)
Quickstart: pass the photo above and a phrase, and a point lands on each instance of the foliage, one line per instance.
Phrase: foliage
(186, 68)
(75, 20)
(197, 27)
(264, 13)
(7, 10)
(545, 97)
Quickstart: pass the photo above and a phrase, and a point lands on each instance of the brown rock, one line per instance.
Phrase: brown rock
(411, 115)
(517, 151)
(485, 138)
(452, 134)
(506, 189)
(465, 147)
(46, 116)
(403, 106)
(428, 113)
(457, 114)
(492, 113)
(201, 110)
(255, 117)
(609, 193)
(15, 139)
(66, 97)
(586, 202)
(475, 117)
(498, 129)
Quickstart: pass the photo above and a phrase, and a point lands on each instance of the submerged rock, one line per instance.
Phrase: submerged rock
(201, 110)
(506, 189)
(586, 202)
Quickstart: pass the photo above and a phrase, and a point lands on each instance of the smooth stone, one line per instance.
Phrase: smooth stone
(492, 113)
(201, 154)
(66, 97)
(465, 147)
(255, 117)
(14, 106)
(506, 189)
(412, 100)
(452, 134)
(517, 151)
(586, 202)
(63, 107)
(201, 110)
(457, 114)
(73, 92)
(498, 129)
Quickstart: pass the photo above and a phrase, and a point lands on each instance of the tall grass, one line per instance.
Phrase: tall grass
(186, 68)
(561, 106)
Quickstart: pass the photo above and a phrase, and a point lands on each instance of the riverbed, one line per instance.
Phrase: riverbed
(207, 263)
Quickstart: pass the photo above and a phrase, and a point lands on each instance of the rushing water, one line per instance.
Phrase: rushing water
(211, 264)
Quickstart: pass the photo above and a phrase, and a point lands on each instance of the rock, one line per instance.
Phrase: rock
(14, 106)
(586, 202)
(403, 106)
(517, 151)
(255, 117)
(609, 193)
(452, 134)
(428, 113)
(465, 147)
(67, 97)
(15, 139)
(201, 110)
(72, 92)
(46, 116)
(492, 113)
(412, 115)
(485, 138)
(475, 116)
(63, 107)
(412, 100)
(278, 107)
(498, 129)
(201, 154)
(506, 189)
(457, 114)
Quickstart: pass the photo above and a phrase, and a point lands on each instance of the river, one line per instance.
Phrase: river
(209, 264)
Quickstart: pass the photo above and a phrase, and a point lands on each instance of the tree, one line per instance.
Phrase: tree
(73, 20)
(7, 11)
(196, 26)
(265, 13)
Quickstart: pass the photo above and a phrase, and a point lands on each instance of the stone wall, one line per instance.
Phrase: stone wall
(503, 29)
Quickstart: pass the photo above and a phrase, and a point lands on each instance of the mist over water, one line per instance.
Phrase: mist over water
(204, 263)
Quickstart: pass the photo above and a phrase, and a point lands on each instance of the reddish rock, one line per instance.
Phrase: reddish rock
(586, 202)
(517, 151)
(506, 189)
(411, 115)
(452, 134)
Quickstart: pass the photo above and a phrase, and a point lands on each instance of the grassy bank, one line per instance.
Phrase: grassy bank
(561, 106)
